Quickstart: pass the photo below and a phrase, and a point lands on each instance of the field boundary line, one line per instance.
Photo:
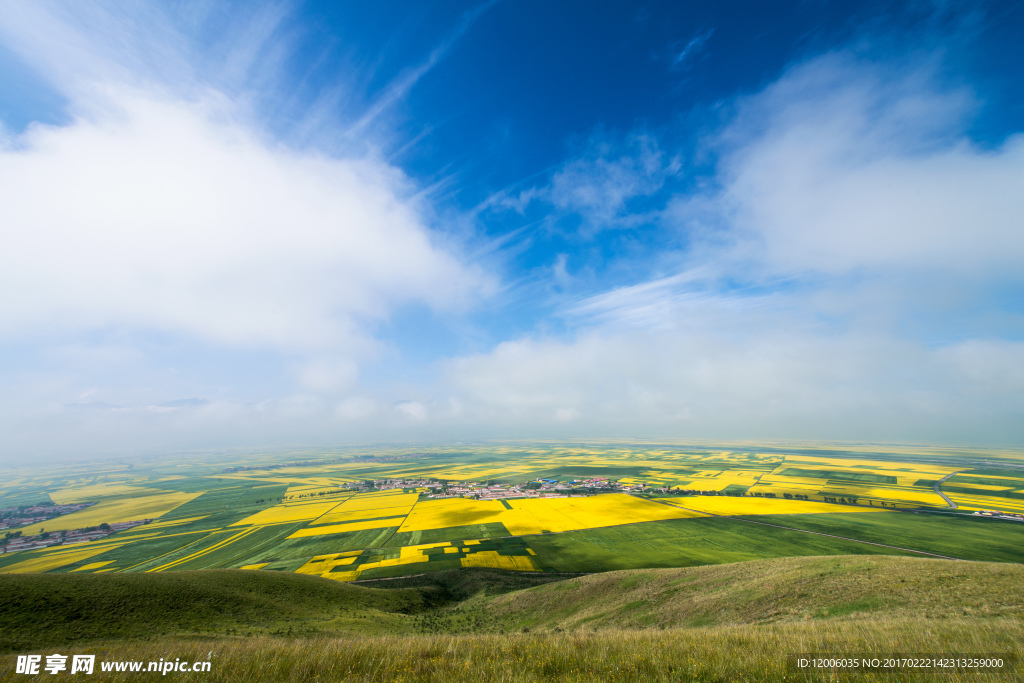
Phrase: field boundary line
(820, 533)
(206, 551)
(171, 552)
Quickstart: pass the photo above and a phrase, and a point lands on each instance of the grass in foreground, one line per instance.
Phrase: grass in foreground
(706, 655)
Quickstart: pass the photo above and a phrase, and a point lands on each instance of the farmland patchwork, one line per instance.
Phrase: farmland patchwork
(382, 514)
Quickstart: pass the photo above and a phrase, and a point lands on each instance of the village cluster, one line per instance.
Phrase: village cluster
(13, 541)
(23, 515)
(539, 488)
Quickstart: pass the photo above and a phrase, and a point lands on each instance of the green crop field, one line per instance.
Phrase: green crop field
(684, 543)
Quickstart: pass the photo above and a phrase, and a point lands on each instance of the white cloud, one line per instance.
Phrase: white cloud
(169, 215)
(328, 374)
(849, 215)
(162, 205)
(164, 223)
(598, 185)
(356, 408)
(413, 410)
(842, 165)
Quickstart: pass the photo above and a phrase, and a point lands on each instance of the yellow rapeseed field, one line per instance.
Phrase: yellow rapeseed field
(92, 566)
(479, 473)
(323, 564)
(534, 515)
(116, 510)
(289, 512)
(54, 558)
(95, 492)
(364, 507)
(205, 551)
(326, 529)
(340, 515)
(146, 529)
(308, 490)
(327, 565)
(448, 512)
(902, 494)
(301, 484)
(735, 505)
(1010, 481)
(494, 560)
(906, 496)
(371, 502)
(865, 465)
(969, 503)
(717, 480)
(1011, 484)
(906, 473)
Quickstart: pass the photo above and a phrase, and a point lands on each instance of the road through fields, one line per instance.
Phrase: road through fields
(944, 496)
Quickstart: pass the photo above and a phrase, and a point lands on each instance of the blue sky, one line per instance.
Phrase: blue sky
(332, 223)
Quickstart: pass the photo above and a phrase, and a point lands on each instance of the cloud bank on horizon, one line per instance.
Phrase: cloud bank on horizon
(329, 224)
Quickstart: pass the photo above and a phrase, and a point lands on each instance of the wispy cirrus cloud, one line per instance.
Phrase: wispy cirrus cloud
(594, 190)
(683, 52)
(398, 89)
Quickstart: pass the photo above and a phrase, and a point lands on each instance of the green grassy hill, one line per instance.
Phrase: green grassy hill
(733, 622)
(787, 589)
(45, 609)
(55, 609)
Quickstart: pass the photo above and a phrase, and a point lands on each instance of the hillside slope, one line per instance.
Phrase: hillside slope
(45, 609)
(41, 609)
(773, 590)
(60, 609)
